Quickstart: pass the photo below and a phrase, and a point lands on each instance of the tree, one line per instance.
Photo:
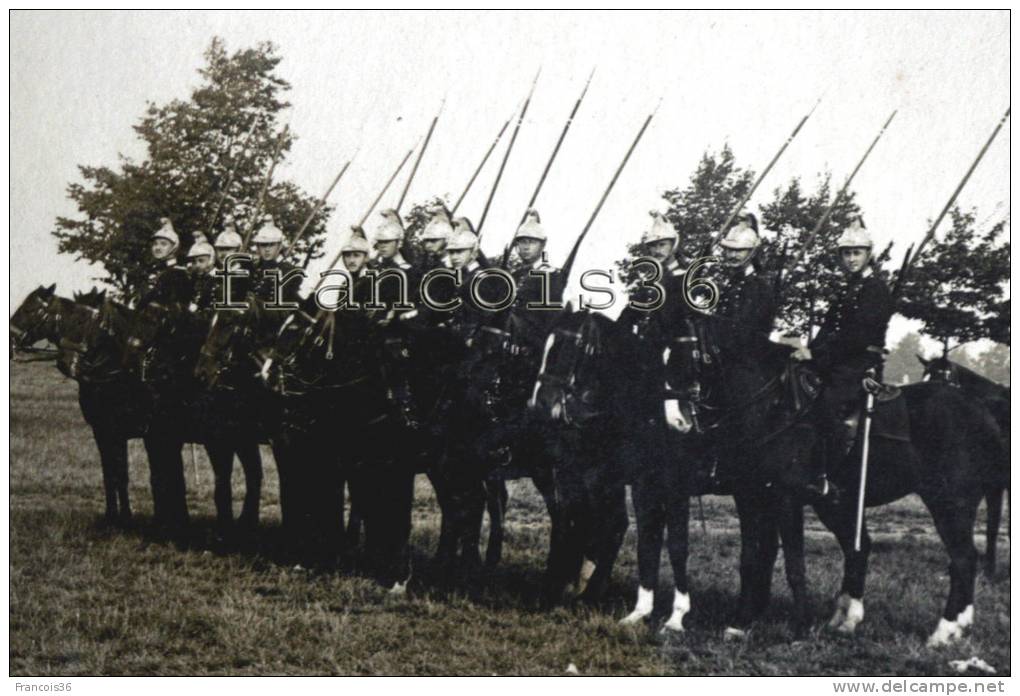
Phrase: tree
(813, 282)
(902, 365)
(697, 210)
(958, 286)
(192, 147)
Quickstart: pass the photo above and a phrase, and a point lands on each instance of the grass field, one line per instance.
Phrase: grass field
(86, 600)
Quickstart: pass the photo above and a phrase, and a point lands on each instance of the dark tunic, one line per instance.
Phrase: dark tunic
(167, 284)
(743, 317)
(857, 318)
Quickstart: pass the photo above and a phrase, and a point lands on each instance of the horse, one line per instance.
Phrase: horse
(332, 399)
(996, 398)
(932, 440)
(232, 412)
(90, 331)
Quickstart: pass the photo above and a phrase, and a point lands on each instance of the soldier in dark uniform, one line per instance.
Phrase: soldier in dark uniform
(433, 241)
(201, 263)
(229, 242)
(533, 324)
(851, 340)
(656, 328)
(167, 283)
(746, 309)
(268, 281)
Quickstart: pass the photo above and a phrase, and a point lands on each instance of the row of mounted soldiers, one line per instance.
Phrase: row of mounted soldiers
(849, 344)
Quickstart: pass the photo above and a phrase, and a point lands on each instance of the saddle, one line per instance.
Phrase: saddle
(890, 420)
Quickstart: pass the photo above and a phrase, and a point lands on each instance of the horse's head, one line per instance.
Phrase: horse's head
(940, 369)
(567, 387)
(298, 348)
(34, 319)
(230, 340)
(145, 332)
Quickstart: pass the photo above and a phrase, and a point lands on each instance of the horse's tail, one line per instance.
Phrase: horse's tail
(994, 501)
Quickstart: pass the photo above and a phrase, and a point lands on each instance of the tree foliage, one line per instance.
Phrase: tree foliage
(192, 146)
(958, 287)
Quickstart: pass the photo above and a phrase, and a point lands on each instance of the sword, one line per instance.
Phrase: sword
(869, 411)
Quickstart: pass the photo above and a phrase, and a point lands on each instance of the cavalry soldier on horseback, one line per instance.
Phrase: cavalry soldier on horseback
(167, 283)
(201, 263)
(269, 273)
(746, 307)
(660, 242)
(434, 239)
(538, 284)
(389, 238)
(227, 242)
(851, 340)
(529, 241)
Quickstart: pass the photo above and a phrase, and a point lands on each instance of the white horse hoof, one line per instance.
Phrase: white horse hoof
(946, 633)
(642, 609)
(587, 570)
(966, 617)
(734, 634)
(399, 589)
(633, 618)
(673, 626)
(681, 606)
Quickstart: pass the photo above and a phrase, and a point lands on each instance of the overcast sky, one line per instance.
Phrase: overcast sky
(80, 80)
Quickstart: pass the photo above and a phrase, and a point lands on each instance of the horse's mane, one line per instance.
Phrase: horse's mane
(973, 380)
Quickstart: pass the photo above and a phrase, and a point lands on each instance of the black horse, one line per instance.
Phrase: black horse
(232, 409)
(995, 397)
(337, 424)
(932, 440)
(91, 333)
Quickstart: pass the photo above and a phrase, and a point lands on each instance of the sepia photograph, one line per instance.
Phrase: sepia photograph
(510, 343)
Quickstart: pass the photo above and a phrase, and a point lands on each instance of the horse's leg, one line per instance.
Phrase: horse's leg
(121, 469)
(649, 499)
(768, 550)
(155, 454)
(496, 498)
(791, 528)
(754, 524)
(446, 548)
(840, 519)
(610, 512)
(993, 501)
(221, 456)
(556, 573)
(470, 510)
(251, 462)
(107, 454)
(954, 521)
(678, 514)
(398, 556)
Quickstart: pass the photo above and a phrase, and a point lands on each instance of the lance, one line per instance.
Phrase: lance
(750, 192)
(478, 170)
(421, 153)
(552, 157)
(368, 212)
(231, 173)
(265, 186)
(908, 263)
(506, 156)
(318, 206)
(835, 201)
(577, 245)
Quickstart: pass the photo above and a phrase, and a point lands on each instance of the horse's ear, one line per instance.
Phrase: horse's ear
(923, 361)
(51, 289)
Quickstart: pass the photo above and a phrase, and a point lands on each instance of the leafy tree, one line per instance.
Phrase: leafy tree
(192, 146)
(901, 364)
(700, 208)
(958, 286)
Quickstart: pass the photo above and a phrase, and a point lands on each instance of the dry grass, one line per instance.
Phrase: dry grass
(86, 600)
